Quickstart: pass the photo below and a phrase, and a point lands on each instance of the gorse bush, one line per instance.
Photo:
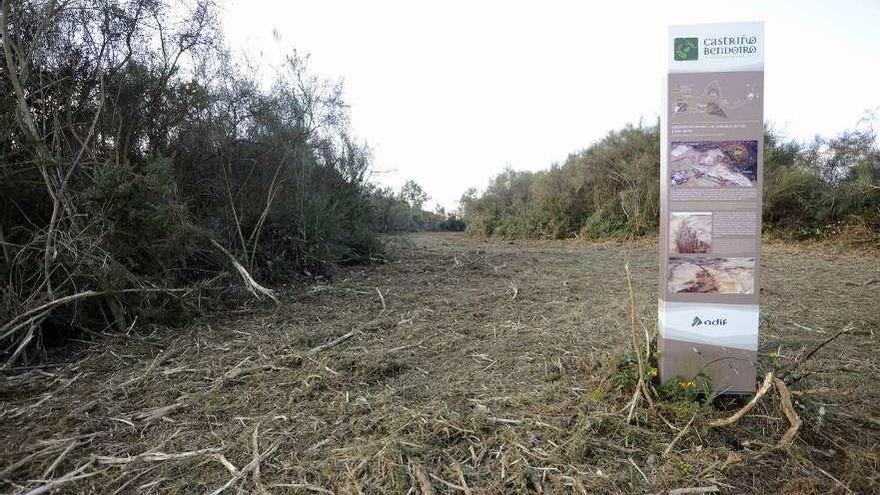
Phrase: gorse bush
(824, 187)
(138, 164)
(608, 189)
(612, 189)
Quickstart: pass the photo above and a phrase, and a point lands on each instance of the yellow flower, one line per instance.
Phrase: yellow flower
(652, 372)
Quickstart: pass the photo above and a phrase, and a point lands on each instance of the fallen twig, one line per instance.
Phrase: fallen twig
(382, 299)
(255, 444)
(71, 476)
(228, 465)
(342, 338)
(787, 407)
(22, 319)
(798, 362)
(696, 489)
(638, 469)
(842, 485)
(635, 399)
(156, 413)
(513, 289)
(51, 469)
(447, 483)
(154, 456)
(424, 482)
(245, 470)
(765, 386)
(467, 490)
(51, 449)
(678, 437)
(304, 486)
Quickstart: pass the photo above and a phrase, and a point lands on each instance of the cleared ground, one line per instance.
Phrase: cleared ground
(481, 368)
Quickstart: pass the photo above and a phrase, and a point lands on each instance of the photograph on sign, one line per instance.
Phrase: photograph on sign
(690, 232)
(712, 275)
(714, 164)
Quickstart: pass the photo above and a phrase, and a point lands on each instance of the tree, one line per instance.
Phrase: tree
(413, 194)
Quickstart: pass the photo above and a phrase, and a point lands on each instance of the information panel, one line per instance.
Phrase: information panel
(710, 204)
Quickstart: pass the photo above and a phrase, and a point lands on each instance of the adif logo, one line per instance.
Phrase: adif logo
(717, 322)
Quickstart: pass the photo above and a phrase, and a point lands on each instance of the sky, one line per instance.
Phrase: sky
(449, 93)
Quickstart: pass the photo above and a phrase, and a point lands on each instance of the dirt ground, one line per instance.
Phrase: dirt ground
(459, 366)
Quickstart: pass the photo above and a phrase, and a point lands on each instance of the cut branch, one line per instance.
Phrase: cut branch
(255, 288)
(787, 407)
(247, 469)
(798, 362)
(768, 381)
(33, 314)
(155, 456)
(342, 338)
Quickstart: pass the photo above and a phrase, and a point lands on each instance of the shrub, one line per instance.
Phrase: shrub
(611, 189)
(127, 175)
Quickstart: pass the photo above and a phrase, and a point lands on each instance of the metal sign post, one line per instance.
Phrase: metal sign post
(710, 197)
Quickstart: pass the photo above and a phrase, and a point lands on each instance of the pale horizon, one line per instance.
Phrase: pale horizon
(450, 94)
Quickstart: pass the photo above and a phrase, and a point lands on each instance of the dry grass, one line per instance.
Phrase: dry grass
(457, 367)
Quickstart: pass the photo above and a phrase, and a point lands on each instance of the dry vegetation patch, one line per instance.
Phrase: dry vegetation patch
(458, 366)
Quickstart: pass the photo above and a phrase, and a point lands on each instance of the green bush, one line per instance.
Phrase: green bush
(611, 189)
(606, 189)
(122, 169)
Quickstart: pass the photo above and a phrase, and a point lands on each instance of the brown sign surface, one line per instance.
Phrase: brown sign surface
(710, 228)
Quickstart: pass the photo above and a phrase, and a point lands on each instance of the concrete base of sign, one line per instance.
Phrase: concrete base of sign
(732, 370)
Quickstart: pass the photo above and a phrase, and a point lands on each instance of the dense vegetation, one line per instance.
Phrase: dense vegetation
(144, 174)
(612, 189)
(402, 211)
